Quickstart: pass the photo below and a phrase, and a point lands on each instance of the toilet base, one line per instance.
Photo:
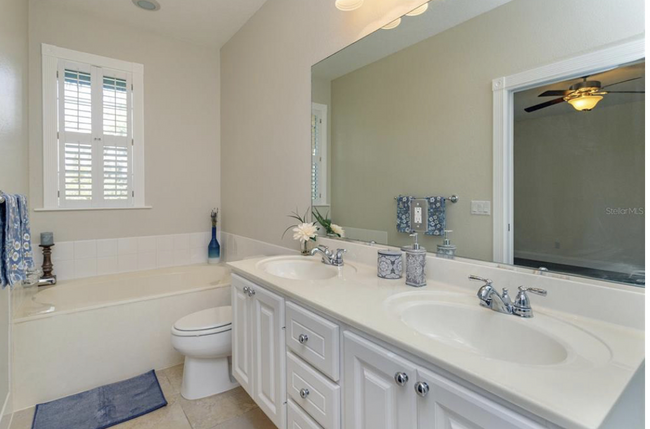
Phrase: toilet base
(206, 377)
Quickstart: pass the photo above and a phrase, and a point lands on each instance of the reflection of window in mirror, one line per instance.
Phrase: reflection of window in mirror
(319, 154)
(579, 176)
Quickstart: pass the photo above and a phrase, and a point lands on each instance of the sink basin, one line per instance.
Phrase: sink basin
(483, 332)
(301, 268)
(457, 320)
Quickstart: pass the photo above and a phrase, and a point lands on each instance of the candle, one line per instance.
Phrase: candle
(47, 238)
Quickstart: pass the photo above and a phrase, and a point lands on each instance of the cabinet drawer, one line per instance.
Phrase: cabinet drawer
(297, 418)
(320, 339)
(317, 395)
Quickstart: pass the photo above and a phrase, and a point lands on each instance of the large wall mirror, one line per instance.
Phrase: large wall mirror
(499, 130)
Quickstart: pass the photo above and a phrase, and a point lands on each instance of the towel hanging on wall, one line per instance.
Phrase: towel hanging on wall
(16, 255)
(404, 214)
(437, 216)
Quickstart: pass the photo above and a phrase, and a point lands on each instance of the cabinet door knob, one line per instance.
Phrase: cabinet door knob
(401, 378)
(251, 292)
(304, 393)
(303, 338)
(421, 388)
(246, 289)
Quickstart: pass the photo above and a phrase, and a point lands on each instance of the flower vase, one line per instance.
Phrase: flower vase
(305, 251)
(214, 249)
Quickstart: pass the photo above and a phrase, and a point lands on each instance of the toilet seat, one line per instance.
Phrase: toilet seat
(202, 323)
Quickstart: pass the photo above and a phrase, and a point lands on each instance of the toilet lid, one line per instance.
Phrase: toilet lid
(211, 318)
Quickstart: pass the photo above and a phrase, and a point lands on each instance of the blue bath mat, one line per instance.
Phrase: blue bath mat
(104, 406)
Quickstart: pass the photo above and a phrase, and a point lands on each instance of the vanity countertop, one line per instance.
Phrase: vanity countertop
(577, 393)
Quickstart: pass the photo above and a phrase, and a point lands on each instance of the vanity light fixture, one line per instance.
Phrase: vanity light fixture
(348, 5)
(585, 103)
(148, 5)
(392, 25)
(418, 11)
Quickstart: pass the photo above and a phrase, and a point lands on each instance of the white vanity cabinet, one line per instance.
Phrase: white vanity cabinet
(258, 342)
(306, 371)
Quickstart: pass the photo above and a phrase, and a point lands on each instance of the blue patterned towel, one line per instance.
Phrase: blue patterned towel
(16, 255)
(404, 214)
(437, 216)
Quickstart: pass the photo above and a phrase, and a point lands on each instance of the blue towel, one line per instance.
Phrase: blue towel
(437, 216)
(16, 255)
(104, 406)
(404, 214)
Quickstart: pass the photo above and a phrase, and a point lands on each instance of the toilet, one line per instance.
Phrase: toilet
(204, 338)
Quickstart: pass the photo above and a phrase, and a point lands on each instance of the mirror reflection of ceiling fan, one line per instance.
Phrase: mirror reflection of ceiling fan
(583, 96)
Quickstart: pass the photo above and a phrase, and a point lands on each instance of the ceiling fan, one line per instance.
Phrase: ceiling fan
(583, 96)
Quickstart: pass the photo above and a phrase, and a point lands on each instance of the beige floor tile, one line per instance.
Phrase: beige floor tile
(169, 417)
(254, 419)
(23, 419)
(168, 390)
(175, 376)
(208, 412)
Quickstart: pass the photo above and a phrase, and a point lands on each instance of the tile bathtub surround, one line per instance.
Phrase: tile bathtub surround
(230, 410)
(88, 258)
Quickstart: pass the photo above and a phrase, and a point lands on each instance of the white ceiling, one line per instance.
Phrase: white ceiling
(440, 16)
(209, 23)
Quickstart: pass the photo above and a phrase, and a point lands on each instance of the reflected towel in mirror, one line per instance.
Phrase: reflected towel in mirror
(437, 216)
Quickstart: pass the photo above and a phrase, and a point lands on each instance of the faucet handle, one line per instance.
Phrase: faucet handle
(535, 290)
(487, 282)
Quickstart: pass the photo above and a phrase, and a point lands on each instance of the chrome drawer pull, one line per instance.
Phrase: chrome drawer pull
(304, 393)
(303, 338)
(421, 388)
(246, 289)
(401, 378)
(251, 292)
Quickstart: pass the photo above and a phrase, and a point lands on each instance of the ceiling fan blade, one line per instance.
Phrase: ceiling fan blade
(543, 105)
(623, 81)
(555, 93)
(626, 92)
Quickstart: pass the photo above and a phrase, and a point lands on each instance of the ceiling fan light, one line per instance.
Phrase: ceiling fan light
(348, 5)
(419, 11)
(585, 103)
(392, 25)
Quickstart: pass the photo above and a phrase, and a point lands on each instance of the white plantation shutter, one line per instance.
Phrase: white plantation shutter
(95, 136)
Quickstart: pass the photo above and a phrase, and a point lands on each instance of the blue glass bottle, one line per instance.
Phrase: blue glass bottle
(214, 249)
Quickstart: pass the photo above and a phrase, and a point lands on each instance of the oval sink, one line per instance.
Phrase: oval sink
(300, 268)
(483, 332)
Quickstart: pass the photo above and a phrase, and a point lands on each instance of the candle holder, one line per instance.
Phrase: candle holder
(48, 278)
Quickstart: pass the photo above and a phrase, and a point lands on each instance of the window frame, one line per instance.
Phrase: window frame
(320, 110)
(53, 60)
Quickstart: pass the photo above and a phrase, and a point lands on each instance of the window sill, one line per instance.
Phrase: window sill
(86, 209)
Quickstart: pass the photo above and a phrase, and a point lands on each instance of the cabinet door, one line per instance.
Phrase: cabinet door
(448, 405)
(242, 342)
(269, 370)
(373, 398)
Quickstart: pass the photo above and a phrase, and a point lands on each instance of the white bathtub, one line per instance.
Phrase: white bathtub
(85, 333)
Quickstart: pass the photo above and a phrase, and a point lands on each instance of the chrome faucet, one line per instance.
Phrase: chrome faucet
(328, 257)
(491, 299)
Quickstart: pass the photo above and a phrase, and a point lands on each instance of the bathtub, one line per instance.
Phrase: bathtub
(85, 333)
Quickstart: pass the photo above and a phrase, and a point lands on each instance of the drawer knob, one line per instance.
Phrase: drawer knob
(304, 393)
(303, 338)
(421, 388)
(401, 378)
(251, 292)
(246, 289)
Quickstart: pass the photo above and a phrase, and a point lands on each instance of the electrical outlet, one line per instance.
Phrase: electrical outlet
(482, 208)
(419, 214)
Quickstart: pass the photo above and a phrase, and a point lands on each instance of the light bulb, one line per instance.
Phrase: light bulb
(348, 5)
(392, 25)
(419, 11)
(585, 102)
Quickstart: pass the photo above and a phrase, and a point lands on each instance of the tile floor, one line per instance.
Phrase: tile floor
(230, 410)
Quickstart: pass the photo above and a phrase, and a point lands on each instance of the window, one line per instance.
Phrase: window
(93, 140)
(319, 154)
